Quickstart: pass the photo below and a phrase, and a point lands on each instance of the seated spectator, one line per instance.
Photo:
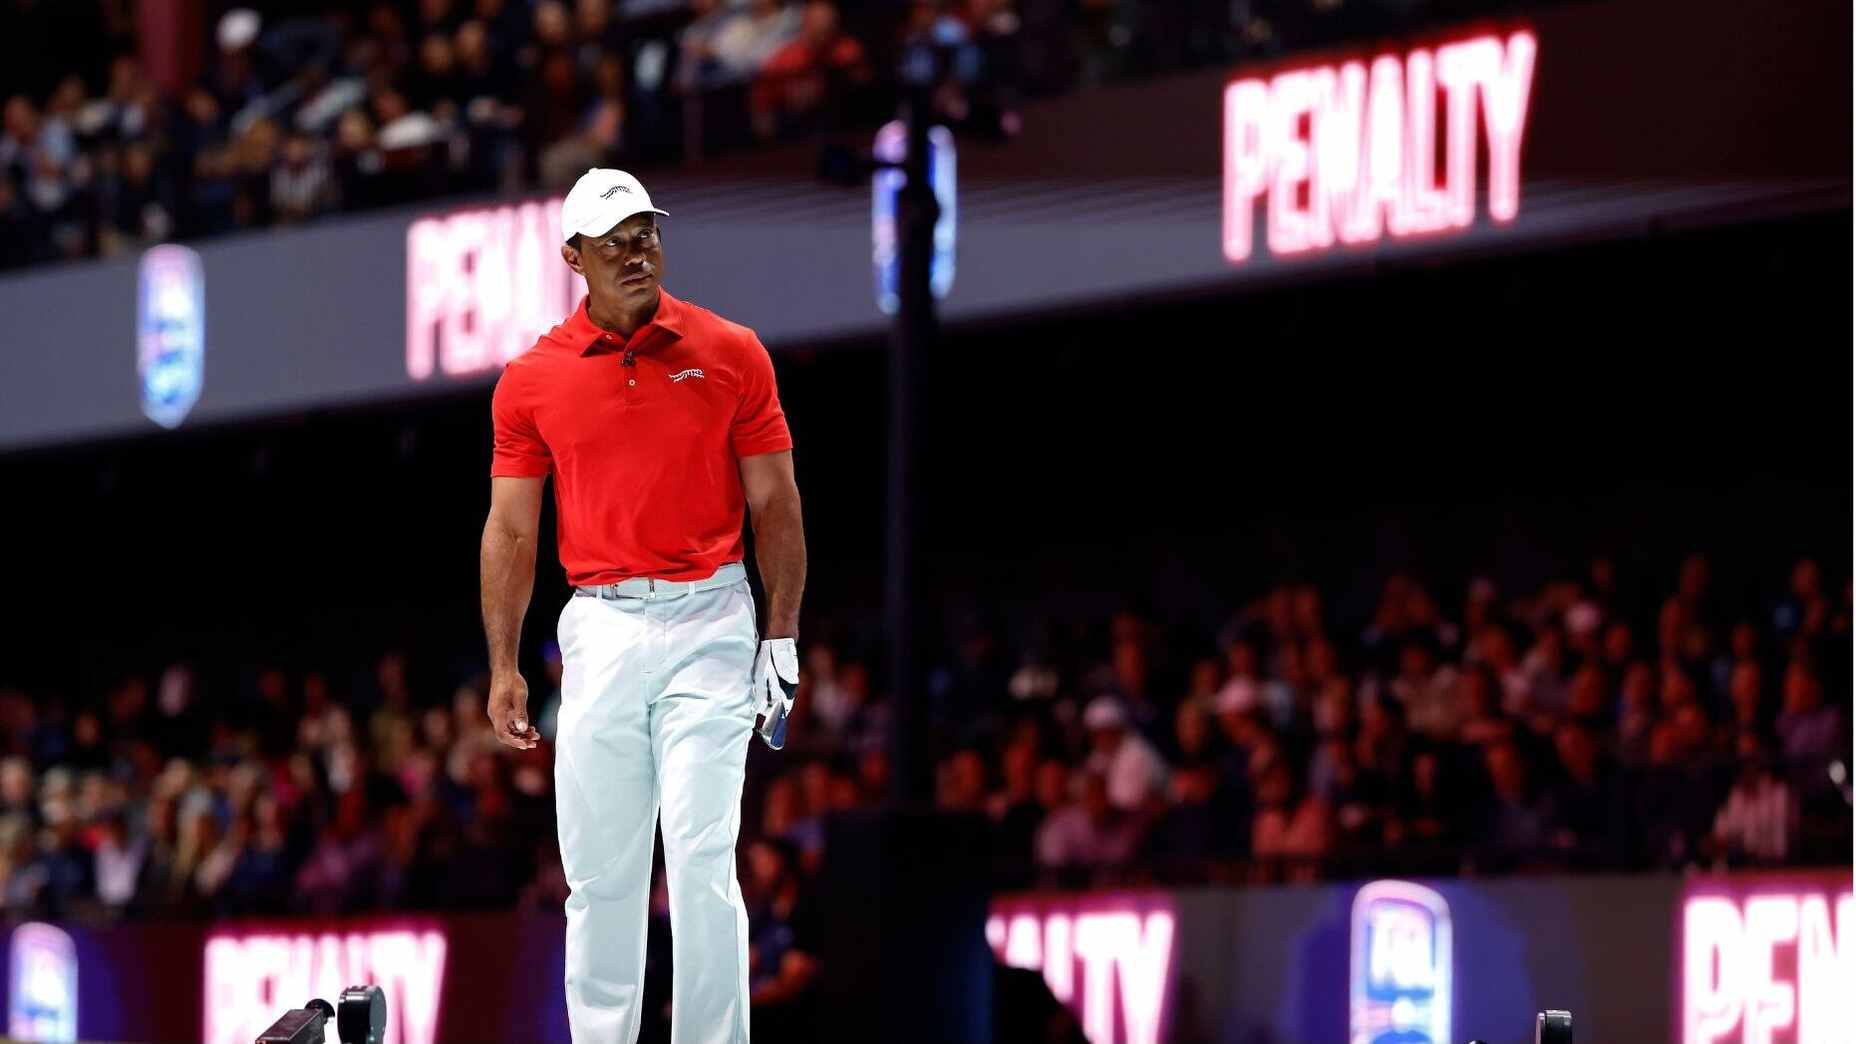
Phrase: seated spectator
(1584, 797)
(1014, 807)
(1134, 773)
(1587, 698)
(795, 84)
(1354, 797)
(1427, 810)
(118, 862)
(1292, 823)
(962, 783)
(1246, 684)
(338, 874)
(785, 819)
(1759, 820)
(783, 965)
(1427, 691)
(301, 184)
(744, 42)
(1637, 715)
(1811, 732)
(1195, 824)
(1515, 817)
(1380, 745)
(1746, 698)
(1087, 831)
(1682, 787)
(1483, 721)
(17, 789)
(1195, 744)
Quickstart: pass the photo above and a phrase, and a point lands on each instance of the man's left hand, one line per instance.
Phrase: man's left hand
(776, 680)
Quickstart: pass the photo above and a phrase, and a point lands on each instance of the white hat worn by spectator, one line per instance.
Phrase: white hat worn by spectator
(238, 28)
(1134, 771)
(601, 199)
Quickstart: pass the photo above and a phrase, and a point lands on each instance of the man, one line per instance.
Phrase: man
(660, 423)
(1134, 772)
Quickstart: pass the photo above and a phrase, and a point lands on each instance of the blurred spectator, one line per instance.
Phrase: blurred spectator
(1584, 796)
(1811, 732)
(1133, 771)
(1014, 807)
(1427, 690)
(1292, 823)
(1759, 819)
(783, 944)
(1516, 816)
(301, 184)
(798, 79)
(340, 870)
(751, 35)
(1087, 830)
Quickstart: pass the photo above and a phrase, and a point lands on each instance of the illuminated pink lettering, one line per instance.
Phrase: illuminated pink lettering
(1739, 984)
(1125, 954)
(481, 286)
(1711, 931)
(1247, 165)
(253, 979)
(1059, 958)
(1347, 153)
(1826, 967)
(1771, 1005)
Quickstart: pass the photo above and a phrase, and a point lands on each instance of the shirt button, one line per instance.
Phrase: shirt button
(632, 381)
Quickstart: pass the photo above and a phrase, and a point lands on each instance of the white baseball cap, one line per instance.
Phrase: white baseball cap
(601, 199)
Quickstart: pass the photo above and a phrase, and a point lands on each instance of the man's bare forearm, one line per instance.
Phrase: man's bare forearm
(780, 552)
(508, 579)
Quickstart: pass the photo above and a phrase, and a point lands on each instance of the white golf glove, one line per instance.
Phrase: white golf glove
(776, 679)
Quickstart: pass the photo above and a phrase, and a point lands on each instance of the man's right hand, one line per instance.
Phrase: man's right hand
(509, 712)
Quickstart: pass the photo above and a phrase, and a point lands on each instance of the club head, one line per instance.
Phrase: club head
(772, 726)
(1553, 1027)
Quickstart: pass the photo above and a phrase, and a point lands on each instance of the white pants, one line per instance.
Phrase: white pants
(655, 713)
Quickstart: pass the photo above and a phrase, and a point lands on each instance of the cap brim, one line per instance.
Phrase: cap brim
(616, 222)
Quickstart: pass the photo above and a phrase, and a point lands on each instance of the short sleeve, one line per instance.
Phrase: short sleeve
(760, 423)
(518, 450)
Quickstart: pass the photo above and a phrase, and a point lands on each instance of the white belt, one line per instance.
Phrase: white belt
(651, 588)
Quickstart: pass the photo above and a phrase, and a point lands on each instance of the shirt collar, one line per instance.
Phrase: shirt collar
(587, 338)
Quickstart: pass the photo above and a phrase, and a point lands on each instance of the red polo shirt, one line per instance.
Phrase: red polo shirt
(643, 438)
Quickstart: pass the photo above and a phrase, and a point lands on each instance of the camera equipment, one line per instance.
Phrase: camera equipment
(361, 1019)
(363, 1015)
(299, 1026)
(1553, 1027)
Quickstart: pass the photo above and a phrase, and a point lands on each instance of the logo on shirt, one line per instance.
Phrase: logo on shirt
(685, 375)
(616, 188)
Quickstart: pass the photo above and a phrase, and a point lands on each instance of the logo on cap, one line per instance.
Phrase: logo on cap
(616, 188)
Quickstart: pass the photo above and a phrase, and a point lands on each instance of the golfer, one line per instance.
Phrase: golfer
(662, 428)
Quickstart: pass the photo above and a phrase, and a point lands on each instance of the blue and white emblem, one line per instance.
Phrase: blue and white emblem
(1400, 981)
(170, 333)
(42, 991)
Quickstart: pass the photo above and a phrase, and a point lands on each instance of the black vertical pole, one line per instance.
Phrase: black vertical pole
(912, 340)
(909, 881)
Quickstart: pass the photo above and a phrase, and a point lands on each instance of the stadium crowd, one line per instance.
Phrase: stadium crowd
(341, 105)
(1571, 727)
(1551, 730)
